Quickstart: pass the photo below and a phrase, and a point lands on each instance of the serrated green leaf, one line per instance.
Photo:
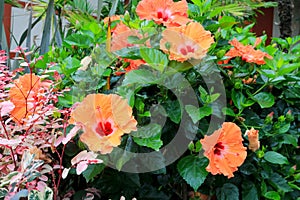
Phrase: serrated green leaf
(141, 76)
(192, 169)
(198, 113)
(264, 99)
(228, 192)
(147, 131)
(155, 58)
(153, 142)
(275, 158)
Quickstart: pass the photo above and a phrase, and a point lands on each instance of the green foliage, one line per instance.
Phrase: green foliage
(192, 169)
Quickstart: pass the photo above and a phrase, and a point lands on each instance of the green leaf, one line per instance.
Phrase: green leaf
(275, 158)
(264, 99)
(71, 65)
(148, 136)
(47, 194)
(173, 111)
(280, 183)
(155, 58)
(290, 139)
(272, 195)
(249, 191)
(3, 192)
(92, 171)
(192, 169)
(153, 142)
(197, 114)
(147, 131)
(80, 40)
(284, 128)
(141, 76)
(288, 68)
(228, 111)
(228, 192)
(238, 98)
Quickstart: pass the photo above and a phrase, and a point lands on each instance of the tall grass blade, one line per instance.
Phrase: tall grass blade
(47, 28)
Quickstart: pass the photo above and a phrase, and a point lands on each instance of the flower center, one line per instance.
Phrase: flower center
(218, 148)
(187, 49)
(104, 129)
(163, 14)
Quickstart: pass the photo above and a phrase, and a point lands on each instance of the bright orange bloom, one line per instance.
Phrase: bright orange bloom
(105, 118)
(164, 12)
(248, 53)
(253, 138)
(133, 65)
(224, 149)
(120, 37)
(186, 42)
(26, 96)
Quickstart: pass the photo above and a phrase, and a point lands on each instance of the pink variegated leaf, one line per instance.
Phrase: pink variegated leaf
(81, 167)
(72, 133)
(11, 142)
(65, 172)
(84, 156)
(6, 107)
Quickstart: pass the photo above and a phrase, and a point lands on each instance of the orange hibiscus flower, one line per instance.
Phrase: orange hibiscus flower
(248, 53)
(253, 138)
(120, 37)
(26, 96)
(224, 149)
(186, 42)
(133, 65)
(164, 12)
(105, 118)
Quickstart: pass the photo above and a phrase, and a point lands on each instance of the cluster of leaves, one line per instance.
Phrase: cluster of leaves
(82, 65)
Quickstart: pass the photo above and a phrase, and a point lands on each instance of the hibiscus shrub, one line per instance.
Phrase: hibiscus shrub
(175, 100)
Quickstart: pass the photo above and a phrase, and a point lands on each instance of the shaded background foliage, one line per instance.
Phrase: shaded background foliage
(270, 105)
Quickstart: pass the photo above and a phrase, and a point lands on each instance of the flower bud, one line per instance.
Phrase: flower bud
(289, 117)
(253, 138)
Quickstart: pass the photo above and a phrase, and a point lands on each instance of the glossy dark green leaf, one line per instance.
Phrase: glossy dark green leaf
(279, 183)
(192, 169)
(264, 99)
(173, 111)
(92, 171)
(275, 158)
(249, 191)
(228, 192)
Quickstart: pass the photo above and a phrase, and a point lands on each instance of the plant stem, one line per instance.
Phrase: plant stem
(7, 137)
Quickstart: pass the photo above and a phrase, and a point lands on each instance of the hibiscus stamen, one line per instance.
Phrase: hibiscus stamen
(218, 148)
(104, 128)
(163, 14)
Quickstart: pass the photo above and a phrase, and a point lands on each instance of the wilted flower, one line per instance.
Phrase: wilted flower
(105, 118)
(224, 149)
(253, 137)
(164, 12)
(186, 42)
(248, 53)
